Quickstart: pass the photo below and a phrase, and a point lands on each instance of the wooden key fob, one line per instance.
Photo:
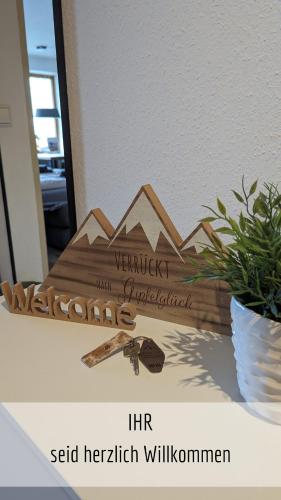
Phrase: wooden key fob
(151, 356)
(107, 349)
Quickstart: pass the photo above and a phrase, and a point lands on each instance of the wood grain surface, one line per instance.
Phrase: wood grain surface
(142, 262)
(106, 350)
(46, 304)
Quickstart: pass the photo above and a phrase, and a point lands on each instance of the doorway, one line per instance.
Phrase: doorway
(48, 91)
(7, 264)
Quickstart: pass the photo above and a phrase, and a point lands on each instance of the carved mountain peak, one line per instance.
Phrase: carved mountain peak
(198, 238)
(147, 211)
(95, 225)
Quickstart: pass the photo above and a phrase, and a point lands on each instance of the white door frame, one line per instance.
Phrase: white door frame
(17, 142)
(7, 269)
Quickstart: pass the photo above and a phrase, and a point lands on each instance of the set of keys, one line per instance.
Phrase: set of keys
(137, 349)
(132, 350)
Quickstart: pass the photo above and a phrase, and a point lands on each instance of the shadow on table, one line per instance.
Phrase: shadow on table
(211, 353)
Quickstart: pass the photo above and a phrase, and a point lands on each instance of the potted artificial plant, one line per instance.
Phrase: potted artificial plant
(251, 266)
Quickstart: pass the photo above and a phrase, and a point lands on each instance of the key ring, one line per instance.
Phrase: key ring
(138, 338)
(141, 337)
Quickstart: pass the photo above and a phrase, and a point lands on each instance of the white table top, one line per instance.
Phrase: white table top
(40, 361)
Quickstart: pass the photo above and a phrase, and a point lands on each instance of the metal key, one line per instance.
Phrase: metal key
(131, 350)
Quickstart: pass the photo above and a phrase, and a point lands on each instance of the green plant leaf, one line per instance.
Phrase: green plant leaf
(256, 206)
(224, 230)
(208, 219)
(242, 222)
(234, 225)
(253, 188)
(221, 207)
(257, 303)
(213, 211)
(245, 276)
(277, 201)
(238, 196)
(260, 205)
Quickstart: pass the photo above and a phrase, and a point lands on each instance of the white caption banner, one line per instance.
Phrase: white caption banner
(190, 444)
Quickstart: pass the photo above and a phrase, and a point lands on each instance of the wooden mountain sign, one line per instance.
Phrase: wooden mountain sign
(143, 261)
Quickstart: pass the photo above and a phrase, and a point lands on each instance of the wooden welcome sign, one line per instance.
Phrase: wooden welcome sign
(46, 304)
(143, 262)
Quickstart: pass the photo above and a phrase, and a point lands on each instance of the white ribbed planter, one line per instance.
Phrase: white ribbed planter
(257, 344)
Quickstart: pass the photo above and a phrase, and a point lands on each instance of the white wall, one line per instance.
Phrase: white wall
(18, 150)
(183, 94)
(39, 64)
